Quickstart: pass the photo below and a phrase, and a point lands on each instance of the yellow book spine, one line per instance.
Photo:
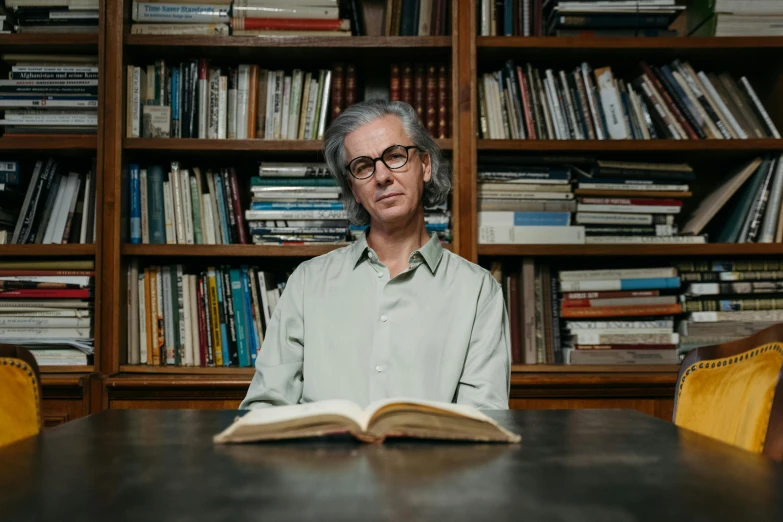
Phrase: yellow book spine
(217, 347)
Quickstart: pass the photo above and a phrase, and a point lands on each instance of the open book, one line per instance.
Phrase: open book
(381, 419)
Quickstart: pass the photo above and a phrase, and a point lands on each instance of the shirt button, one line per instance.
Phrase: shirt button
(369, 254)
(383, 318)
(378, 369)
(380, 274)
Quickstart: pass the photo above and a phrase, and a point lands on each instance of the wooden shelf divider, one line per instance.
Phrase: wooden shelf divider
(597, 147)
(229, 250)
(318, 42)
(634, 250)
(49, 142)
(204, 145)
(47, 250)
(584, 44)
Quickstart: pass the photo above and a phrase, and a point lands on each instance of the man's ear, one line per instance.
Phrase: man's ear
(426, 161)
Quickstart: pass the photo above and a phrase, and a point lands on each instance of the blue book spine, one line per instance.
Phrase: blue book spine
(221, 204)
(542, 219)
(281, 205)
(508, 18)
(157, 221)
(10, 178)
(436, 227)
(251, 327)
(650, 283)
(223, 329)
(175, 102)
(135, 205)
(239, 315)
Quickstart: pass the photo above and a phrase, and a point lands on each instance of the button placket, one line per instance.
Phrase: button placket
(380, 349)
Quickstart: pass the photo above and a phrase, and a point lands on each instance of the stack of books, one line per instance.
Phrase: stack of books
(50, 94)
(285, 18)
(610, 18)
(632, 202)
(57, 206)
(620, 316)
(185, 206)
(180, 316)
(198, 99)
(745, 207)
(196, 17)
(729, 299)
(437, 220)
(48, 310)
(295, 203)
(736, 18)
(526, 204)
(672, 101)
(53, 16)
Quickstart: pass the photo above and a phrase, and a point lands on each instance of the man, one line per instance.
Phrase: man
(394, 314)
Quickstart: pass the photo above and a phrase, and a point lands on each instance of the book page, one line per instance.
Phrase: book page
(462, 410)
(279, 414)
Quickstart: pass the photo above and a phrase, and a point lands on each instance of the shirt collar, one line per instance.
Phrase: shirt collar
(431, 252)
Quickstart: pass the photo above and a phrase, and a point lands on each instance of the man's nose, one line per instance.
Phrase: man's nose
(383, 174)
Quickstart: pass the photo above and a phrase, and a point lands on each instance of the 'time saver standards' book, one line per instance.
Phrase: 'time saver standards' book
(379, 420)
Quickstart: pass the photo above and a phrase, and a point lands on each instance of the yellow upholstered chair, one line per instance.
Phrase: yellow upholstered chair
(733, 392)
(20, 394)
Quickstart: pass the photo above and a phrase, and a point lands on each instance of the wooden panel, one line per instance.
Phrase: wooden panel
(48, 40)
(464, 122)
(65, 397)
(47, 250)
(206, 404)
(660, 408)
(53, 142)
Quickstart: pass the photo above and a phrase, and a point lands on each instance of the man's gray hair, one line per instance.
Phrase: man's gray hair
(358, 114)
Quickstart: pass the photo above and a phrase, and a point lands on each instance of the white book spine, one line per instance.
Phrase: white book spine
(195, 356)
(145, 217)
(611, 104)
(62, 212)
(58, 201)
(71, 207)
(135, 114)
(277, 101)
(175, 178)
(213, 110)
(176, 12)
(296, 100)
(208, 227)
(769, 226)
(206, 29)
(269, 113)
(203, 104)
(243, 91)
(629, 209)
(168, 317)
(168, 213)
(187, 359)
(310, 109)
(536, 235)
(759, 107)
(222, 107)
(232, 113)
(324, 104)
(554, 113)
(735, 126)
(187, 209)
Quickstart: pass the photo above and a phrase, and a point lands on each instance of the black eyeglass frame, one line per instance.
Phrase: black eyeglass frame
(407, 148)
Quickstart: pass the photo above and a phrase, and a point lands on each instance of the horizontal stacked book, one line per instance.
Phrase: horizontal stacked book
(295, 203)
(196, 17)
(47, 203)
(526, 204)
(288, 18)
(49, 94)
(437, 221)
(632, 202)
(52, 16)
(48, 310)
(198, 99)
(745, 207)
(185, 206)
(186, 317)
(736, 18)
(671, 101)
(426, 87)
(620, 316)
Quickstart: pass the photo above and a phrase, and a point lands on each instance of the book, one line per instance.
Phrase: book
(378, 421)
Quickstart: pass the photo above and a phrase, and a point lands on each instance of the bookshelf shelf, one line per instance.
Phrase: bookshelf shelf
(49, 142)
(7, 251)
(204, 145)
(576, 369)
(186, 370)
(244, 42)
(232, 250)
(630, 44)
(636, 146)
(48, 373)
(186, 380)
(715, 249)
(70, 41)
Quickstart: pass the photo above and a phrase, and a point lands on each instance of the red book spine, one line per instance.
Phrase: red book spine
(435, 22)
(293, 24)
(406, 83)
(418, 91)
(443, 102)
(350, 86)
(237, 206)
(394, 82)
(620, 311)
(611, 294)
(531, 128)
(45, 293)
(337, 94)
(632, 201)
(431, 102)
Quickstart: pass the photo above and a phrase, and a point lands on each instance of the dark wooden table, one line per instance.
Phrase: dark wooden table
(601, 465)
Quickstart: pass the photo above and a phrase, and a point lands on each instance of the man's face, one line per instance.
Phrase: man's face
(389, 196)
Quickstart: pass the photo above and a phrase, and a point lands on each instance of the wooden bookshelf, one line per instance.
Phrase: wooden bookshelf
(305, 42)
(47, 251)
(33, 42)
(710, 249)
(239, 251)
(49, 142)
(595, 147)
(631, 44)
(256, 145)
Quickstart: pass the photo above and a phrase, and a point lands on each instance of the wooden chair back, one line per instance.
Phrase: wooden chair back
(20, 394)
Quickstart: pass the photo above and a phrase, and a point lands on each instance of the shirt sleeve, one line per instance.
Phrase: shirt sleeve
(278, 379)
(486, 376)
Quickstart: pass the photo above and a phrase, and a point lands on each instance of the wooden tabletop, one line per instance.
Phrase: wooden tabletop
(586, 465)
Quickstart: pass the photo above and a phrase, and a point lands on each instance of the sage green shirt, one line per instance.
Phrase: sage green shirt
(344, 330)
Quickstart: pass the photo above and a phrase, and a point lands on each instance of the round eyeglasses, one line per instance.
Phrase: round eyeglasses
(395, 157)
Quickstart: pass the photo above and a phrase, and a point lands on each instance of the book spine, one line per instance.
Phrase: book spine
(214, 317)
(135, 204)
(231, 219)
(234, 350)
(221, 310)
(237, 207)
(178, 306)
(187, 206)
(175, 12)
(203, 99)
(195, 199)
